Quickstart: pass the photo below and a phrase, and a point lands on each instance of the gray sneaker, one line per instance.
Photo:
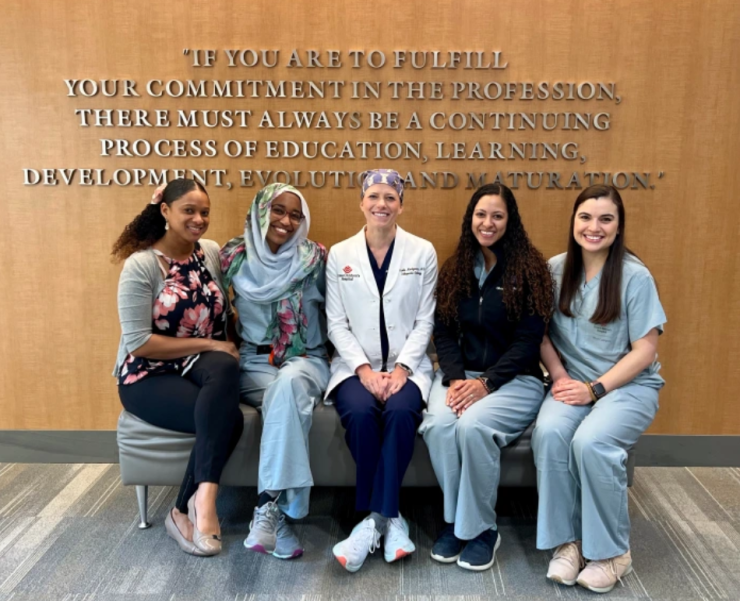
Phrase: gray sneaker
(288, 546)
(263, 529)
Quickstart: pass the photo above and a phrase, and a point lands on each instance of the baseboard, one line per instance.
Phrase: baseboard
(674, 450)
(82, 446)
(58, 446)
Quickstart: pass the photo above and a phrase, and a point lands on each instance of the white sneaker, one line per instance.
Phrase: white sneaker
(397, 543)
(352, 551)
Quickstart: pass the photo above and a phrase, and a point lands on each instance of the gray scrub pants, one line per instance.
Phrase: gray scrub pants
(466, 450)
(581, 457)
(286, 397)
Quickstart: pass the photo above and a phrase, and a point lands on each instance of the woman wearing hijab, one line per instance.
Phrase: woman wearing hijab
(380, 314)
(277, 277)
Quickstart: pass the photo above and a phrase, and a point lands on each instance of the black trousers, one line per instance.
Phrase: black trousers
(204, 402)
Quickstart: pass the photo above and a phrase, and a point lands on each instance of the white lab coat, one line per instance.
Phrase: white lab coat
(353, 308)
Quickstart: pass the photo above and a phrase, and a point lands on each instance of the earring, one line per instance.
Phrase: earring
(166, 225)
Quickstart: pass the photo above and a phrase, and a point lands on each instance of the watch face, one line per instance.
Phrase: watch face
(598, 389)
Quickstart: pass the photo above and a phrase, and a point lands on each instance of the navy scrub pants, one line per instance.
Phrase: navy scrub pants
(381, 438)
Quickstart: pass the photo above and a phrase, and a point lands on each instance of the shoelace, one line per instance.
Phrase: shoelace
(605, 565)
(282, 525)
(269, 517)
(567, 551)
(368, 537)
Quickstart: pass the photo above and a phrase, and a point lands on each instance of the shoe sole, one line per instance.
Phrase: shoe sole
(343, 561)
(257, 549)
(605, 589)
(467, 566)
(559, 580)
(444, 559)
(295, 554)
(400, 554)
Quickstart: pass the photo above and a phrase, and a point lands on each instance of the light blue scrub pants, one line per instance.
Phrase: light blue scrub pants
(581, 457)
(466, 450)
(286, 397)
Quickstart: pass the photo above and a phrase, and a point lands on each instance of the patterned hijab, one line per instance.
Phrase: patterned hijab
(264, 277)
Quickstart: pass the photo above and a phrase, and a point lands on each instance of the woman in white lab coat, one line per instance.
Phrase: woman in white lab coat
(380, 313)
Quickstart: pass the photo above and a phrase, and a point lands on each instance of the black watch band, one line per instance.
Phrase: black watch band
(598, 388)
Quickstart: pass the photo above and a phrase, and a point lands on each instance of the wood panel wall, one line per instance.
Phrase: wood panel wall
(675, 65)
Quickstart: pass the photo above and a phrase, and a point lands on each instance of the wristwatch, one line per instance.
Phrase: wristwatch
(405, 368)
(598, 389)
(486, 383)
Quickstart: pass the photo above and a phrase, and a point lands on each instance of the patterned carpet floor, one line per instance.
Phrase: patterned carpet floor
(69, 532)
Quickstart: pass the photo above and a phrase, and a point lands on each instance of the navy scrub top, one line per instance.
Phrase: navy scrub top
(381, 273)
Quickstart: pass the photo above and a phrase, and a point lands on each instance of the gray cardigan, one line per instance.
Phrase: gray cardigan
(141, 281)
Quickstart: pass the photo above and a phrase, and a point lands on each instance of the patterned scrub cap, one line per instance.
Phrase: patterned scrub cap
(389, 177)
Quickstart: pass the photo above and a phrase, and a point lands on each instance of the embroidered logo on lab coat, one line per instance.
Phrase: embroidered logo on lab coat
(412, 271)
(347, 275)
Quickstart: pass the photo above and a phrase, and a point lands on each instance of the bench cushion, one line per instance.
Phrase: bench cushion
(158, 457)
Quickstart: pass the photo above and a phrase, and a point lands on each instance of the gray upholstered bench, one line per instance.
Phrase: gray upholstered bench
(158, 457)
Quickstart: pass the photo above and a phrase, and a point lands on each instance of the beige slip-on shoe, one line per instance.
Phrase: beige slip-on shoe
(208, 544)
(174, 532)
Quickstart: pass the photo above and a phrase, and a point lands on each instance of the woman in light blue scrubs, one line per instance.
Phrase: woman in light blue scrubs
(601, 354)
(278, 279)
(494, 299)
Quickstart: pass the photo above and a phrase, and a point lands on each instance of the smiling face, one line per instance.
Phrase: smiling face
(381, 206)
(596, 225)
(188, 216)
(489, 220)
(284, 219)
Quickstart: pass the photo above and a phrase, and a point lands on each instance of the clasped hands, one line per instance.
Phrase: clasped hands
(463, 393)
(382, 385)
(571, 392)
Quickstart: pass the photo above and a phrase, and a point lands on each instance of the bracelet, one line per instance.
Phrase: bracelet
(591, 391)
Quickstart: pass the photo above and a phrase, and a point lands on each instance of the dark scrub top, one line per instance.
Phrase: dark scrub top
(381, 273)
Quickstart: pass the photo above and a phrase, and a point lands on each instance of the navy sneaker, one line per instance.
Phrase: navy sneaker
(480, 553)
(447, 547)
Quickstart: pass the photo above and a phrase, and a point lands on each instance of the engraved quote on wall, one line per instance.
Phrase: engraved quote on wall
(525, 134)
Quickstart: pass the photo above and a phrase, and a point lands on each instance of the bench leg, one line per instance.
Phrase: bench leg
(142, 493)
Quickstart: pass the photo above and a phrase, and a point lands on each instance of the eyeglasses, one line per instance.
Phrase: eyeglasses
(280, 212)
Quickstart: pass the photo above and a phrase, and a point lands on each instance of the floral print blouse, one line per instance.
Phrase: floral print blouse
(190, 305)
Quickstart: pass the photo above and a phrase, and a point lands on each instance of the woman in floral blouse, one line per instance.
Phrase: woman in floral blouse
(175, 368)
(277, 276)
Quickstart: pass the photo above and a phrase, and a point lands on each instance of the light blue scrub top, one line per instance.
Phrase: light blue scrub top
(479, 269)
(255, 319)
(589, 350)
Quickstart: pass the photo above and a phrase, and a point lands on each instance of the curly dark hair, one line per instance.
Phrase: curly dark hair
(527, 272)
(148, 226)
